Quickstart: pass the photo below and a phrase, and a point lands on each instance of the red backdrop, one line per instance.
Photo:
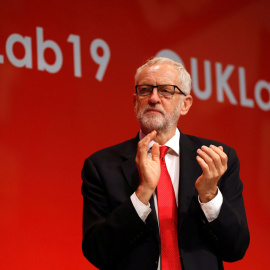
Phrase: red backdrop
(66, 86)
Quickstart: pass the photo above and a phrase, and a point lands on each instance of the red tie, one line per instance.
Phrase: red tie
(167, 212)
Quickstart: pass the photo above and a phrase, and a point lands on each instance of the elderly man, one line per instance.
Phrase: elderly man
(163, 200)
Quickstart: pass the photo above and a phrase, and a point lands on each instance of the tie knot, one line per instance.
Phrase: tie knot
(163, 150)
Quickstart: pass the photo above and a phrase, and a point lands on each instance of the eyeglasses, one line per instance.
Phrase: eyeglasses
(164, 90)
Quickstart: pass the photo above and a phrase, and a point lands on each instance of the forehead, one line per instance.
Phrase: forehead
(158, 74)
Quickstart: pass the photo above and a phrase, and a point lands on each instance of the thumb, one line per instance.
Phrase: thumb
(155, 152)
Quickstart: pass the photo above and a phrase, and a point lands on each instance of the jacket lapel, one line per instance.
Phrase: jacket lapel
(128, 165)
(130, 171)
(189, 172)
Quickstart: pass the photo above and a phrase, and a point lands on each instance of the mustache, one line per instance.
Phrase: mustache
(155, 107)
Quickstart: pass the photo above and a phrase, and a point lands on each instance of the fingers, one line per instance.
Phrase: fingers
(203, 164)
(149, 169)
(206, 159)
(213, 162)
(142, 155)
(155, 152)
(219, 150)
(212, 159)
(142, 145)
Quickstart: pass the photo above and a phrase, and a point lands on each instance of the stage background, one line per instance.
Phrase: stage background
(66, 87)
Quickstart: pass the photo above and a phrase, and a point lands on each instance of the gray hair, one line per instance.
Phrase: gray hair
(184, 76)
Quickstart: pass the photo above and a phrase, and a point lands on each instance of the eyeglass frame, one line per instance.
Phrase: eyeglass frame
(156, 86)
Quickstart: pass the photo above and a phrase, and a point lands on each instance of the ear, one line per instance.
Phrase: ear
(186, 104)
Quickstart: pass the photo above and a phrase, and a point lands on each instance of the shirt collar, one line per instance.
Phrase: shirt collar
(173, 143)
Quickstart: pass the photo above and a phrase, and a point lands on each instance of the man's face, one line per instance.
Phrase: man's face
(155, 112)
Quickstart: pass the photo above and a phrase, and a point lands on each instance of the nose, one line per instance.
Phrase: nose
(154, 97)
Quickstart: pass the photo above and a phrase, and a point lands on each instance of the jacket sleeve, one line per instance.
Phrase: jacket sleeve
(109, 231)
(229, 234)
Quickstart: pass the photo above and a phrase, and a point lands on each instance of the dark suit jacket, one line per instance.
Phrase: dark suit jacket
(114, 237)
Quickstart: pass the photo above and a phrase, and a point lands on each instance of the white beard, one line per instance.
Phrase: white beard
(161, 122)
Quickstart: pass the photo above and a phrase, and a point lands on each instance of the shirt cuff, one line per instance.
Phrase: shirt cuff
(212, 208)
(142, 210)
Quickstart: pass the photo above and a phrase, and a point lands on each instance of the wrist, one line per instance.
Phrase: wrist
(208, 196)
(144, 194)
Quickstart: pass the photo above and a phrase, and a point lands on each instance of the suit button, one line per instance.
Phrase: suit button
(155, 265)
